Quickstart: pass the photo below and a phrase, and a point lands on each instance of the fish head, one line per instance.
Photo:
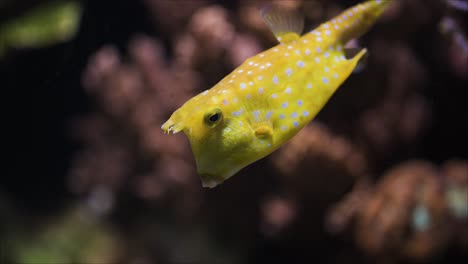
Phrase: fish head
(220, 141)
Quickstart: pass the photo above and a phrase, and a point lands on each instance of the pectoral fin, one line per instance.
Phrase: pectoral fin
(263, 131)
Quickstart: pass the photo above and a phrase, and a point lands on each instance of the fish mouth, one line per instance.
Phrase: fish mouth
(172, 126)
(209, 180)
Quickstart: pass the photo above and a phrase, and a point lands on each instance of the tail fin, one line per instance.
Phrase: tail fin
(357, 20)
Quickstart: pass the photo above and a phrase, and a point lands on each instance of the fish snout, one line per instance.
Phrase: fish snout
(210, 180)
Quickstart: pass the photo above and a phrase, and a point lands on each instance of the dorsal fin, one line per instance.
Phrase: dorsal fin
(286, 25)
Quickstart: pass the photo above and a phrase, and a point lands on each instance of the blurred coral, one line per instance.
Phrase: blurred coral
(410, 213)
(42, 26)
(456, 194)
(375, 122)
(277, 214)
(76, 237)
(134, 104)
(406, 215)
(380, 176)
(315, 143)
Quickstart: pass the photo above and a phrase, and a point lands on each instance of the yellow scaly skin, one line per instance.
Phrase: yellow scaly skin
(271, 96)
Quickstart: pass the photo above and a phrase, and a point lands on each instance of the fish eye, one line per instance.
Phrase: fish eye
(213, 117)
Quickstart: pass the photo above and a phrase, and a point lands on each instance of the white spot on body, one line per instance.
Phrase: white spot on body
(307, 52)
(225, 102)
(248, 96)
(282, 116)
(275, 79)
(328, 32)
(317, 59)
(305, 113)
(251, 63)
(309, 86)
(260, 77)
(288, 90)
(283, 127)
(326, 54)
(260, 90)
(288, 72)
(325, 80)
(296, 124)
(274, 96)
(249, 72)
(268, 114)
(240, 123)
(242, 85)
(319, 50)
(294, 115)
(327, 69)
(299, 102)
(300, 64)
(335, 75)
(256, 115)
(284, 105)
(251, 83)
(318, 39)
(298, 52)
(237, 113)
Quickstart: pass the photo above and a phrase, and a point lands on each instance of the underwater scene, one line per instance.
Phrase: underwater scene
(234, 131)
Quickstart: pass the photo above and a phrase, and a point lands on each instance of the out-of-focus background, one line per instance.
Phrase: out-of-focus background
(381, 175)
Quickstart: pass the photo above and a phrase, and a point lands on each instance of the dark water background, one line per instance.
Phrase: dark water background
(44, 95)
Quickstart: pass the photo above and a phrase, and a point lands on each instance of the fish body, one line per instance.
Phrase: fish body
(272, 95)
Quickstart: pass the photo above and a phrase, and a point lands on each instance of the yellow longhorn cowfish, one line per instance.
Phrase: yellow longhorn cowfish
(272, 95)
